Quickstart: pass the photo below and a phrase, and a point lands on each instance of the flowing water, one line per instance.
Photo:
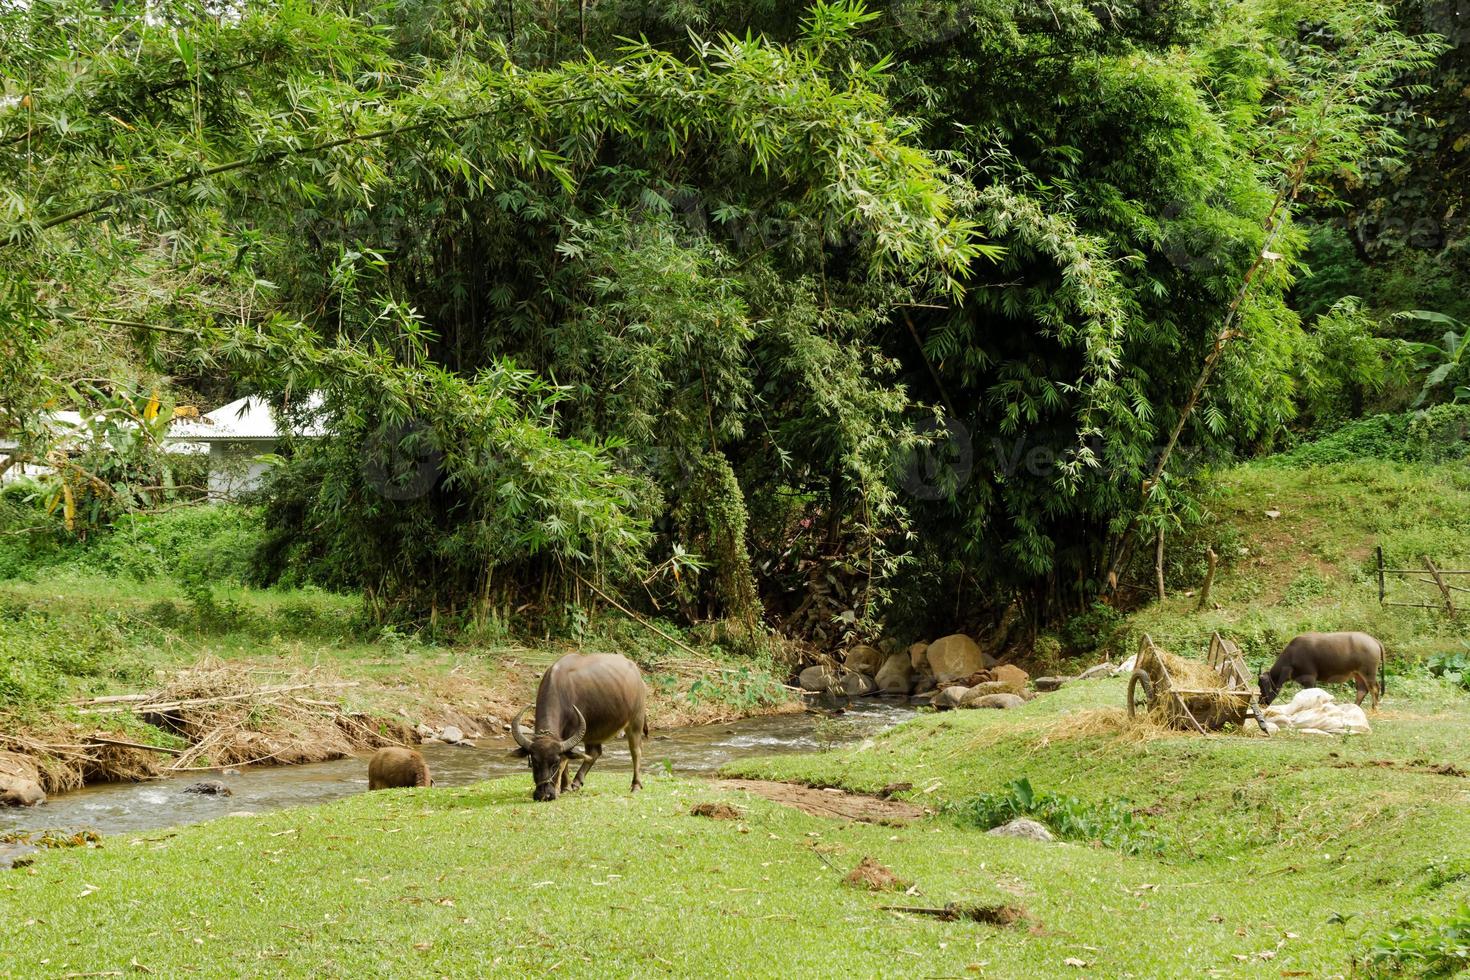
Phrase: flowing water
(117, 808)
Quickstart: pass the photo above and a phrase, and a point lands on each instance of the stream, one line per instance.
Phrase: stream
(121, 808)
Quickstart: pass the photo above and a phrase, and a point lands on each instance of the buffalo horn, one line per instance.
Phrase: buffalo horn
(568, 744)
(515, 729)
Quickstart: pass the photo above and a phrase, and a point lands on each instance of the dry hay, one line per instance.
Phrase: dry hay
(1195, 675)
(230, 716)
(232, 719)
(1202, 688)
(1109, 723)
(874, 877)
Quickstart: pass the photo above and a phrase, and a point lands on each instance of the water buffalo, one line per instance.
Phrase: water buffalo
(1314, 659)
(394, 767)
(586, 699)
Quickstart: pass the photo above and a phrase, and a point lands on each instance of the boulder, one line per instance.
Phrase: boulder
(450, 735)
(20, 781)
(857, 685)
(949, 697)
(1101, 670)
(955, 656)
(1049, 683)
(985, 690)
(979, 677)
(210, 787)
(818, 678)
(919, 657)
(864, 660)
(896, 675)
(924, 683)
(994, 701)
(1021, 827)
(888, 645)
(1012, 675)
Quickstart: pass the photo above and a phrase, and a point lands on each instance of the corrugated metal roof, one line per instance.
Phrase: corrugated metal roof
(241, 420)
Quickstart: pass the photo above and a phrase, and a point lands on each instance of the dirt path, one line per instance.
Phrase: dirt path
(834, 803)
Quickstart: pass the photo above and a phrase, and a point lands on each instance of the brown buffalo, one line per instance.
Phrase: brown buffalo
(586, 699)
(1314, 659)
(394, 767)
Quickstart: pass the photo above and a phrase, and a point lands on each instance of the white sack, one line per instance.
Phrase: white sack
(1316, 712)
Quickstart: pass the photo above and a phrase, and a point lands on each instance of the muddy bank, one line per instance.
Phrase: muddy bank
(135, 807)
(832, 803)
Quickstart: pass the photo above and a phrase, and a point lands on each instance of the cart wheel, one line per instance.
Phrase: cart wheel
(1140, 693)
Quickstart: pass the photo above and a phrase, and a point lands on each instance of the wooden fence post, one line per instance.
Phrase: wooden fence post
(1444, 589)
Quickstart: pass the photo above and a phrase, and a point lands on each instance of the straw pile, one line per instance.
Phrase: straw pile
(1193, 675)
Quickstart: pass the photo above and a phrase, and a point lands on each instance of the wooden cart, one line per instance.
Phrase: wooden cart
(1153, 689)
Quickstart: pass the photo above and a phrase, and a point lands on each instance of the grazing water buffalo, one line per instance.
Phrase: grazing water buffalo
(586, 699)
(1314, 659)
(394, 767)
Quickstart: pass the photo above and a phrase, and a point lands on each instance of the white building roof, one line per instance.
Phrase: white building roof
(241, 420)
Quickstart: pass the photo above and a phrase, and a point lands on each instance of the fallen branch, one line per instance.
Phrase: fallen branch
(103, 740)
(147, 707)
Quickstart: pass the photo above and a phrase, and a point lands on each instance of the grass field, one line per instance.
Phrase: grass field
(1230, 856)
(1289, 855)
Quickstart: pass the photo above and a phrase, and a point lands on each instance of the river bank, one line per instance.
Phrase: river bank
(120, 808)
(267, 677)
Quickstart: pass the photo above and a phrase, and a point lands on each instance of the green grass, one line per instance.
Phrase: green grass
(1314, 566)
(1288, 854)
(1304, 827)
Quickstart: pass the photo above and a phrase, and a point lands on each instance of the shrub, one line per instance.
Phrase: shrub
(1453, 667)
(217, 541)
(1427, 946)
(1087, 631)
(1112, 825)
(1436, 435)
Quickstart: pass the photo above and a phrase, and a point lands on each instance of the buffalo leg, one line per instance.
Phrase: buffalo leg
(635, 749)
(565, 777)
(1363, 689)
(594, 752)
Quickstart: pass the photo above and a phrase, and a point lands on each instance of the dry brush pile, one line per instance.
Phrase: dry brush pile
(220, 716)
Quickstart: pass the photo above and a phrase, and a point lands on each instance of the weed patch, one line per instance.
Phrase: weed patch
(1426, 946)
(1112, 825)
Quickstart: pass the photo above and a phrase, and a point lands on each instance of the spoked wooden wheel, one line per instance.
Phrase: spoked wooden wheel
(1140, 694)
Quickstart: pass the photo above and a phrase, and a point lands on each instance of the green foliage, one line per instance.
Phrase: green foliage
(1345, 364)
(742, 689)
(1087, 631)
(660, 314)
(1437, 435)
(1453, 667)
(1423, 946)
(45, 658)
(1446, 376)
(1112, 825)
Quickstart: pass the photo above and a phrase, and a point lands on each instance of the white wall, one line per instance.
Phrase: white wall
(234, 469)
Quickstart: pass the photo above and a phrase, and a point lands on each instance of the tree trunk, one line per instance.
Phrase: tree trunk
(1204, 592)
(1159, 562)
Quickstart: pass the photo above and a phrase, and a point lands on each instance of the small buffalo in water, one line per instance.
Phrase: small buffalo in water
(1314, 659)
(587, 699)
(395, 767)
